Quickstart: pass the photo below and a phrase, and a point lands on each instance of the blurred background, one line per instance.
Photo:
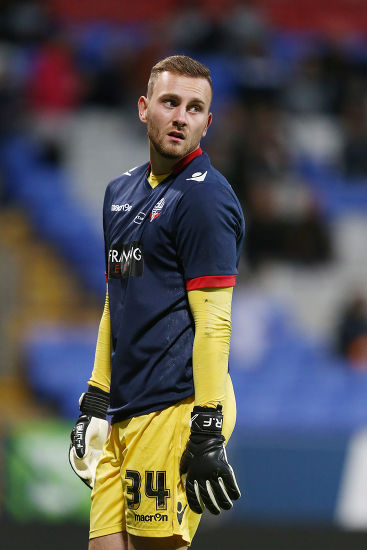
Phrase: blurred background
(290, 134)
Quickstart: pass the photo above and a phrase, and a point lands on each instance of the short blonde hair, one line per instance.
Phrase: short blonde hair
(179, 64)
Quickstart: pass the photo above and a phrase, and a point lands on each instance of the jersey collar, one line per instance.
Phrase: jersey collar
(183, 162)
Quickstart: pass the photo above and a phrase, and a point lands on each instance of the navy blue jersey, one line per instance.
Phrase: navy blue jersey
(184, 234)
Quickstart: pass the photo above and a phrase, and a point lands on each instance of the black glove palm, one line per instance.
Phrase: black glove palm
(210, 479)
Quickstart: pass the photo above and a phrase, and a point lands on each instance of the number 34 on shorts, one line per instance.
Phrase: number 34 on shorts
(154, 487)
(151, 506)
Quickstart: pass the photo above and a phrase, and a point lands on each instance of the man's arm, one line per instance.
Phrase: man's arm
(210, 480)
(101, 374)
(211, 309)
(90, 431)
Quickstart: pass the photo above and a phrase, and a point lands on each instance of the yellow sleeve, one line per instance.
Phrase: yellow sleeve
(101, 374)
(211, 309)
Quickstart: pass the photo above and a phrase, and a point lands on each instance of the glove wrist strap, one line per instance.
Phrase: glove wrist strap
(95, 403)
(207, 421)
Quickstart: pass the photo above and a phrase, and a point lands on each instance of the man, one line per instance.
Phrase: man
(173, 231)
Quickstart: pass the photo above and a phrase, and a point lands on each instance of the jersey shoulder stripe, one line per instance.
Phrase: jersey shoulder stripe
(211, 281)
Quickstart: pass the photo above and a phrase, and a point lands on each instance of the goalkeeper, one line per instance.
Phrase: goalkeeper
(173, 231)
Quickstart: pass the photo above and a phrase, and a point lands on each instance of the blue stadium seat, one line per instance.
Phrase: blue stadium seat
(59, 363)
(335, 194)
(43, 191)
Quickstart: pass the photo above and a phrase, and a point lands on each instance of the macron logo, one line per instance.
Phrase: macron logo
(118, 207)
(198, 176)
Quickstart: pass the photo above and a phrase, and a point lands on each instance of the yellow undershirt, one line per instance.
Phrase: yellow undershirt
(101, 374)
(155, 180)
(211, 310)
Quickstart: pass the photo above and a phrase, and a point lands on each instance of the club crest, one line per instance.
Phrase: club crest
(157, 210)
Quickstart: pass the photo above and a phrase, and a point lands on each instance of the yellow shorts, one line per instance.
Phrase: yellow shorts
(138, 488)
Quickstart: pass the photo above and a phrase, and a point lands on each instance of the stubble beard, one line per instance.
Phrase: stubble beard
(165, 152)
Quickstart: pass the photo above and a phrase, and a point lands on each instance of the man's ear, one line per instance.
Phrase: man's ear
(143, 107)
(208, 123)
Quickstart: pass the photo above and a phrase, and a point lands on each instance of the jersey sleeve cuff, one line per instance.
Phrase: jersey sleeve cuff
(211, 281)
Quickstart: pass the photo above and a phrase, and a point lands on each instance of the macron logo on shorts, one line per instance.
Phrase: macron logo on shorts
(150, 517)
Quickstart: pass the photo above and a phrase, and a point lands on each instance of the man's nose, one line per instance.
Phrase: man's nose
(180, 116)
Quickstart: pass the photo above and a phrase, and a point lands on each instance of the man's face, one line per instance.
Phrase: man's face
(177, 114)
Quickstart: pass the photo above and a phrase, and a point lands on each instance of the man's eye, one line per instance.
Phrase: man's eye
(169, 102)
(195, 108)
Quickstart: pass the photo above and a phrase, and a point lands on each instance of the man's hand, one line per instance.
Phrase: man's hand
(210, 479)
(89, 434)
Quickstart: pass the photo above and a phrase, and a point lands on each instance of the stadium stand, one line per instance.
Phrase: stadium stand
(284, 89)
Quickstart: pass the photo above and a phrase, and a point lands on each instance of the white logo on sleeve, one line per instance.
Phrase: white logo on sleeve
(128, 173)
(198, 176)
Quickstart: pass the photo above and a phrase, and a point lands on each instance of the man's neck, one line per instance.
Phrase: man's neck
(161, 165)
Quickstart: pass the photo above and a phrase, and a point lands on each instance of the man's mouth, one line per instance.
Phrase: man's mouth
(178, 136)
